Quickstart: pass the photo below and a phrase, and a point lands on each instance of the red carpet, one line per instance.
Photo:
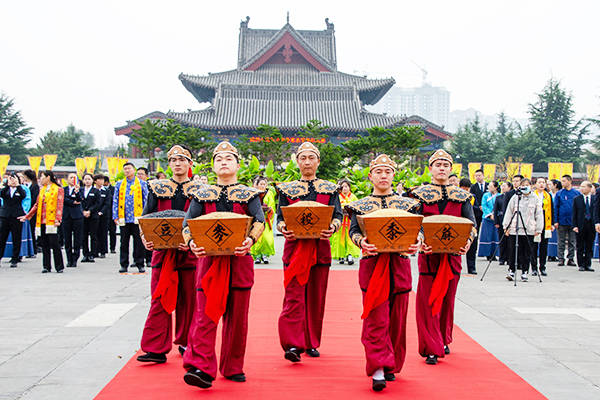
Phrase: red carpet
(470, 372)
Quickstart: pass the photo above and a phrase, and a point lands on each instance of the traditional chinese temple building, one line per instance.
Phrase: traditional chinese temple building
(285, 78)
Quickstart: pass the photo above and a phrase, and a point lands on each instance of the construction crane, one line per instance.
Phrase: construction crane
(423, 71)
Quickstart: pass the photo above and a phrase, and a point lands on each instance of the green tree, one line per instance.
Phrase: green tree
(269, 145)
(332, 156)
(474, 142)
(67, 144)
(553, 121)
(14, 134)
(592, 155)
(163, 134)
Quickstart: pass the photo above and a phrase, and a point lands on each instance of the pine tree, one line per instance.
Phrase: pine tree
(14, 134)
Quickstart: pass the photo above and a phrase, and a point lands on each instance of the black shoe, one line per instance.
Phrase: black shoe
(141, 269)
(543, 272)
(196, 377)
(561, 263)
(431, 359)
(581, 268)
(588, 269)
(446, 350)
(181, 350)
(85, 259)
(257, 260)
(13, 265)
(390, 377)
(113, 252)
(571, 263)
(91, 259)
(69, 265)
(350, 260)
(101, 255)
(60, 271)
(379, 385)
(472, 272)
(45, 271)
(494, 259)
(265, 260)
(237, 377)
(502, 263)
(292, 355)
(534, 273)
(341, 260)
(157, 358)
(313, 352)
(123, 270)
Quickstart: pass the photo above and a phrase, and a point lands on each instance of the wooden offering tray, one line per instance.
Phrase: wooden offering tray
(220, 232)
(307, 218)
(390, 230)
(446, 233)
(163, 228)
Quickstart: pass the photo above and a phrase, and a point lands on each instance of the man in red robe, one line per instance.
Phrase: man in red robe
(173, 270)
(223, 282)
(306, 262)
(384, 278)
(439, 273)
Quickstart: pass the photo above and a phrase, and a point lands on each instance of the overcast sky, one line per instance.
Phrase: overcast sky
(99, 64)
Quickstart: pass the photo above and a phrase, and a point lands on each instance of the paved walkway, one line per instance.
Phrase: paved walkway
(69, 334)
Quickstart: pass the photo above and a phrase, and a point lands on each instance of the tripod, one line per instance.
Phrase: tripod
(516, 213)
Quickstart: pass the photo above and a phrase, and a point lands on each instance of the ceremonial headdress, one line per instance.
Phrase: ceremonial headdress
(179, 151)
(225, 147)
(440, 154)
(308, 146)
(382, 160)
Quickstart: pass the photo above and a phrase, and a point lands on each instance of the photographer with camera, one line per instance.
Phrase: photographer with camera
(523, 221)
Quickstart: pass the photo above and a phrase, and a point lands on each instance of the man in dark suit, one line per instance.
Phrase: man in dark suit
(30, 181)
(72, 222)
(477, 190)
(112, 228)
(516, 182)
(12, 195)
(103, 217)
(91, 205)
(583, 226)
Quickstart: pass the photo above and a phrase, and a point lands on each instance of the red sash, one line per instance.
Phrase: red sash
(440, 285)
(168, 282)
(378, 291)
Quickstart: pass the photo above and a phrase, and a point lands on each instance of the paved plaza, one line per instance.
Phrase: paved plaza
(66, 335)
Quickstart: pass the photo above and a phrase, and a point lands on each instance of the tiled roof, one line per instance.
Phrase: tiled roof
(286, 75)
(245, 108)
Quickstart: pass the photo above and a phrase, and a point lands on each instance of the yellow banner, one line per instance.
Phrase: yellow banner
(90, 164)
(457, 169)
(49, 161)
(122, 162)
(554, 170)
(526, 170)
(473, 166)
(4, 159)
(566, 169)
(34, 163)
(512, 169)
(489, 172)
(64, 182)
(80, 166)
(593, 172)
(112, 163)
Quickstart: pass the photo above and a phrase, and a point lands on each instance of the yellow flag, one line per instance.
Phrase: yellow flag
(90, 164)
(4, 159)
(122, 162)
(489, 172)
(34, 163)
(512, 169)
(593, 172)
(527, 170)
(112, 164)
(566, 169)
(554, 170)
(49, 161)
(80, 166)
(473, 166)
(457, 169)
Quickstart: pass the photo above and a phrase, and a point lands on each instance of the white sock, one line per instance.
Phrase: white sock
(378, 375)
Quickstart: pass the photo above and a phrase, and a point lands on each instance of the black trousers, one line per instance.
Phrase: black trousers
(103, 234)
(14, 226)
(112, 234)
(524, 255)
(472, 253)
(539, 254)
(127, 231)
(34, 239)
(49, 243)
(503, 246)
(585, 245)
(73, 236)
(90, 236)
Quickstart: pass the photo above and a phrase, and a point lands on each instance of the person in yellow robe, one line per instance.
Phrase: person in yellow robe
(342, 247)
(265, 246)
